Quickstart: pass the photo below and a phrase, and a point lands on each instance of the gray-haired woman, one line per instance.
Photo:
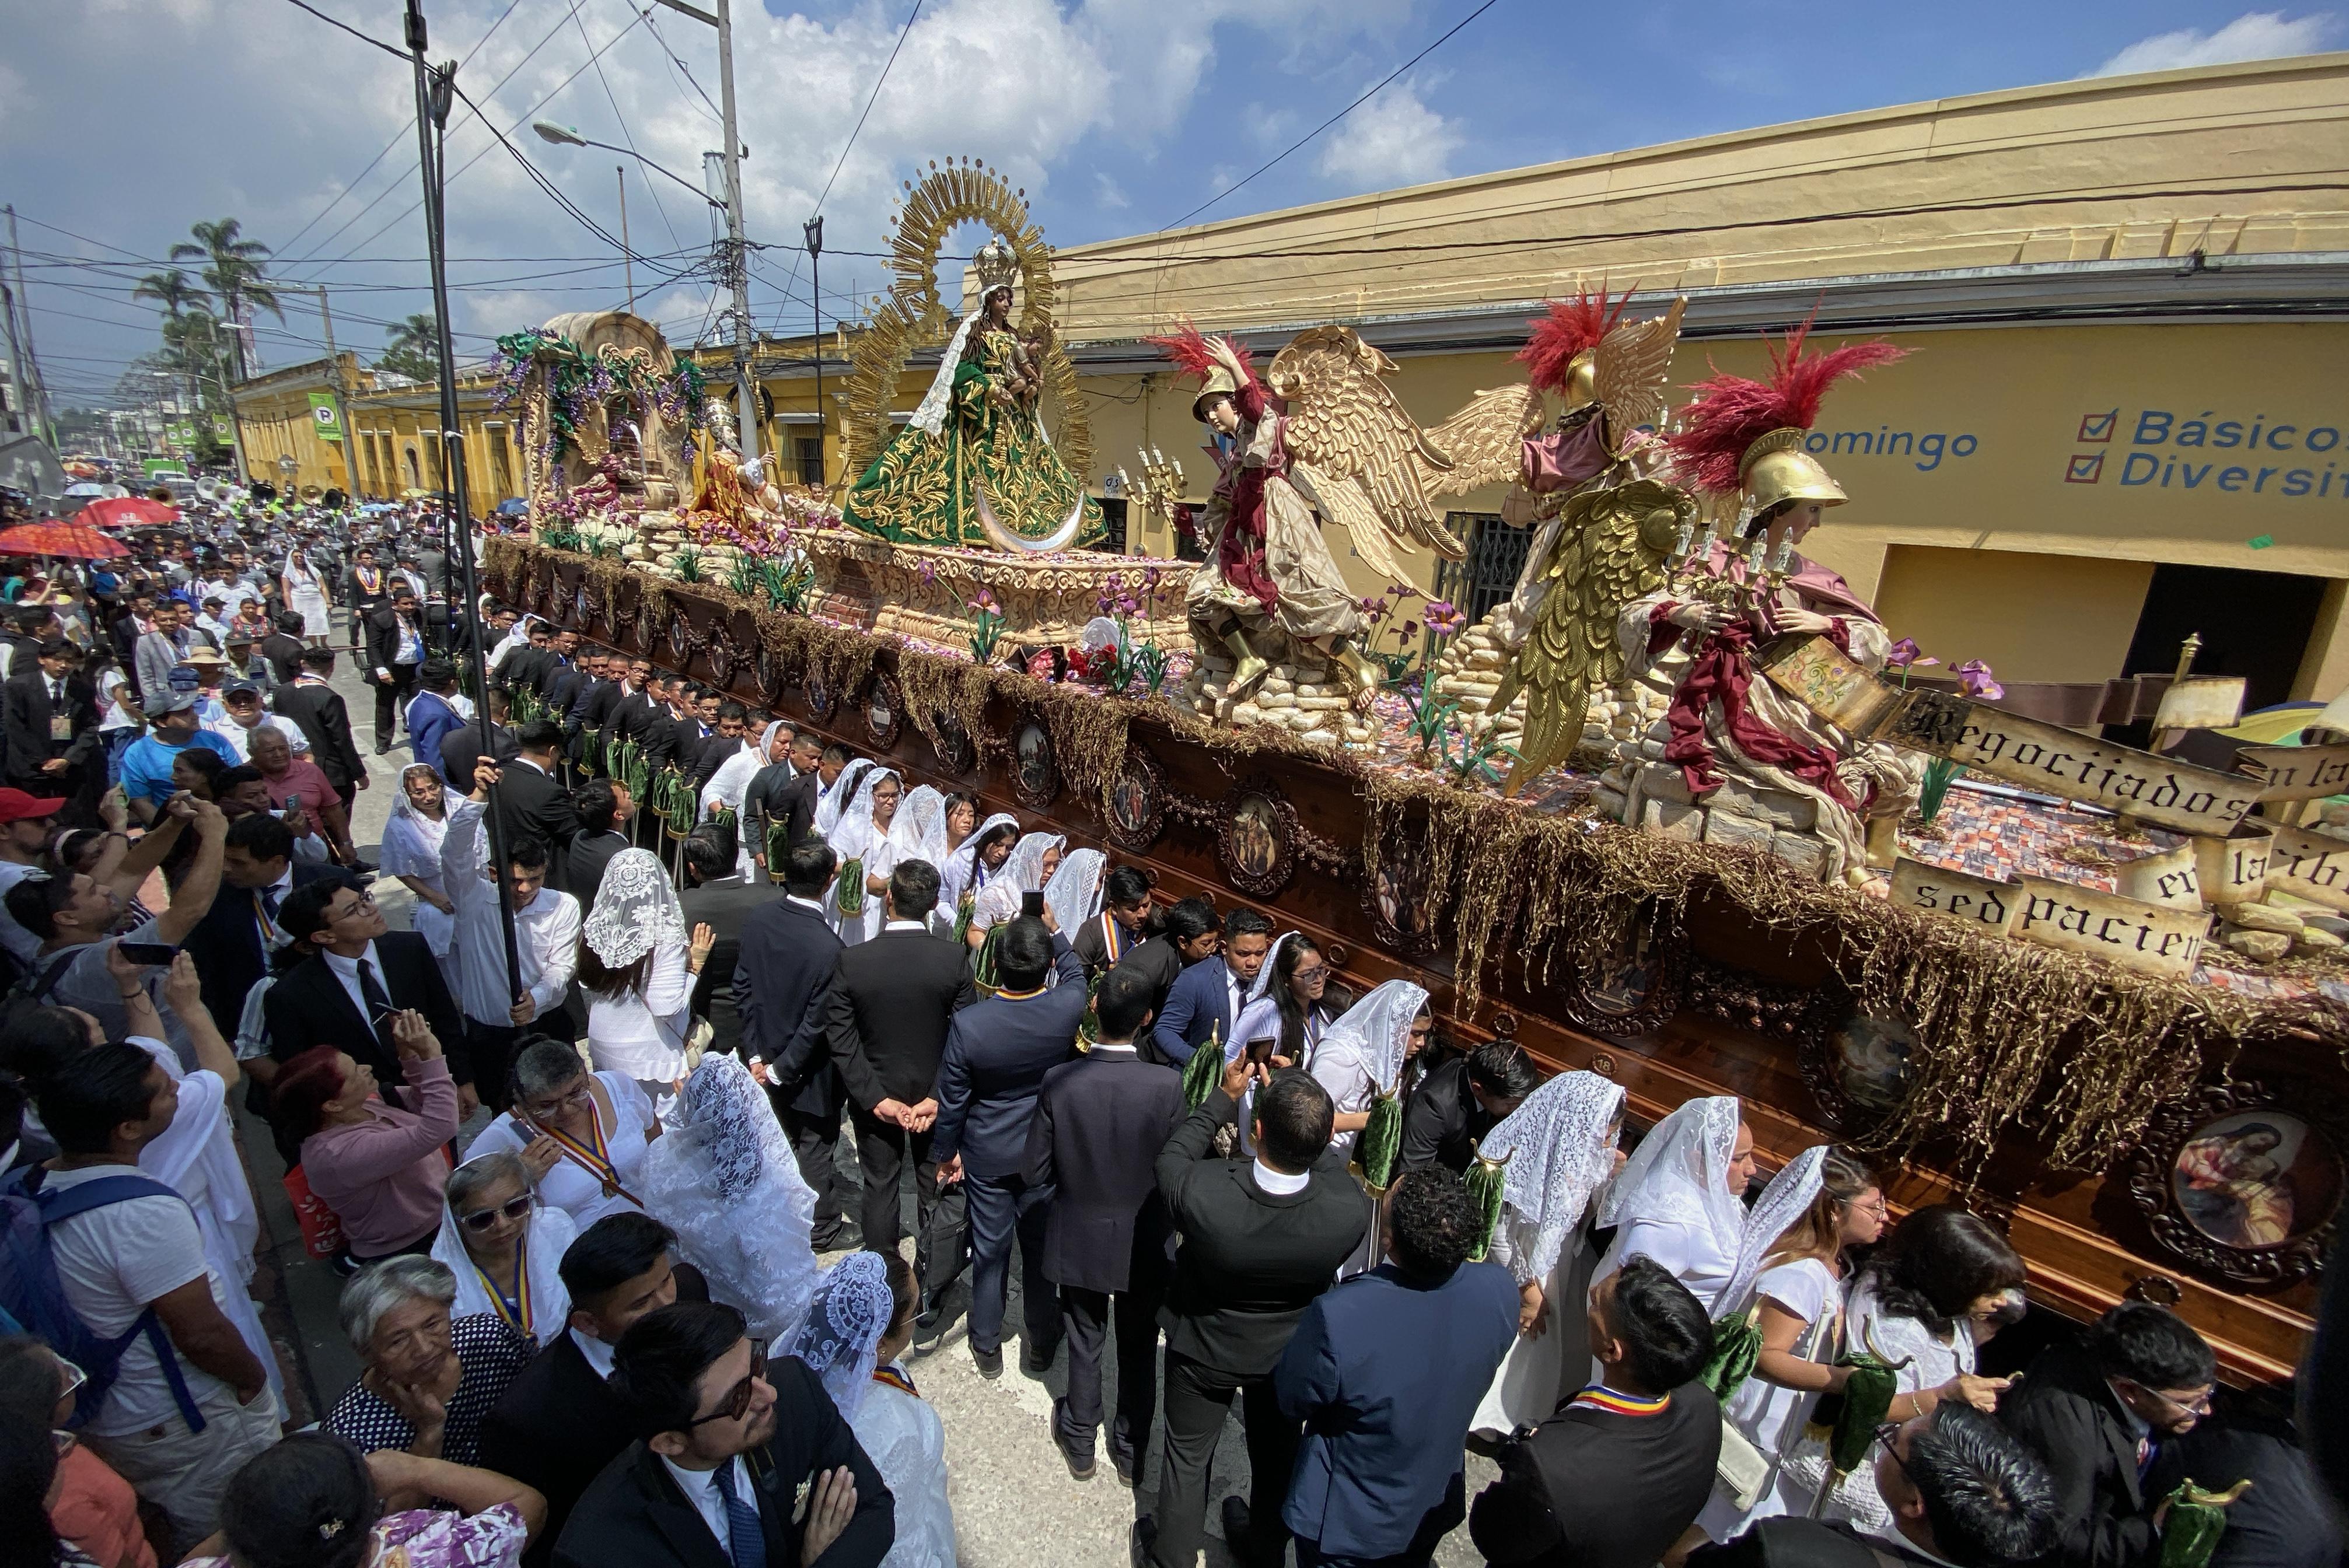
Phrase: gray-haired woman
(504, 1248)
(429, 1377)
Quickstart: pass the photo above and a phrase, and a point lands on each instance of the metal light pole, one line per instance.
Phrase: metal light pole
(813, 230)
(434, 90)
(334, 370)
(627, 257)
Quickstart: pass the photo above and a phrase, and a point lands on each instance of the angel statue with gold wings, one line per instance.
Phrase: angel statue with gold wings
(1323, 433)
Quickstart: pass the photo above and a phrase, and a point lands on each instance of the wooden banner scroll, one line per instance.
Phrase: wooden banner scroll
(1989, 906)
(2296, 772)
(2150, 937)
(2311, 866)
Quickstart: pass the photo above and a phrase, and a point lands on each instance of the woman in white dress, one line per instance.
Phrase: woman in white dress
(1680, 1197)
(965, 873)
(861, 1322)
(1000, 895)
(729, 785)
(1367, 1052)
(724, 1180)
(1789, 1276)
(305, 595)
(861, 843)
(1944, 1283)
(957, 819)
(584, 1135)
(833, 803)
(637, 969)
(1073, 893)
(1558, 1153)
(505, 1250)
(411, 851)
(1286, 1016)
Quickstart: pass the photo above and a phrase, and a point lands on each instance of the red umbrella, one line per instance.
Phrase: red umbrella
(80, 540)
(116, 511)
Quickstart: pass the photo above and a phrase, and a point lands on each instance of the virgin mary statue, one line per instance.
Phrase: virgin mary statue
(975, 467)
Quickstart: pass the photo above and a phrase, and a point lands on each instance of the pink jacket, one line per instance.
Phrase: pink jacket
(383, 1176)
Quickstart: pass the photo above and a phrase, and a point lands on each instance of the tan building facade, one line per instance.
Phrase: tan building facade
(278, 427)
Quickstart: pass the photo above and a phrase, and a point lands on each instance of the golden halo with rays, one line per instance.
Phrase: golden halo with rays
(911, 317)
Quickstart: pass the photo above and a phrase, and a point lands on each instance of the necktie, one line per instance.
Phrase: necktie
(269, 902)
(746, 1538)
(371, 991)
(2145, 1448)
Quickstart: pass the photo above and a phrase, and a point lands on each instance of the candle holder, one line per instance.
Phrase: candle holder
(1162, 486)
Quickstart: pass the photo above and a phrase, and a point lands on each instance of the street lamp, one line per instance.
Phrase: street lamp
(563, 136)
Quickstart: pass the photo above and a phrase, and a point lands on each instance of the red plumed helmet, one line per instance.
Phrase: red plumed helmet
(1731, 412)
(1572, 326)
(1194, 354)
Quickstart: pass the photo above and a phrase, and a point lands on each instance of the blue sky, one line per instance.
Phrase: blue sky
(124, 120)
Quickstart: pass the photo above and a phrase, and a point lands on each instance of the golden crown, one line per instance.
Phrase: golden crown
(995, 265)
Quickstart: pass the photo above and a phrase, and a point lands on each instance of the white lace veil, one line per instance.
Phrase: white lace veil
(836, 801)
(1025, 869)
(851, 833)
(415, 850)
(1781, 1202)
(1263, 983)
(1074, 894)
(977, 837)
(1559, 1150)
(920, 819)
(841, 1339)
(1380, 1025)
(722, 1177)
(930, 414)
(1680, 1173)
(635, 911)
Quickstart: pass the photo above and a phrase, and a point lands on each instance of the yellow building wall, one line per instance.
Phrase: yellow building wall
(2029, 617)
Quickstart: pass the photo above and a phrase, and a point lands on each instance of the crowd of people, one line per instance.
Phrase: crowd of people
(618, 1300)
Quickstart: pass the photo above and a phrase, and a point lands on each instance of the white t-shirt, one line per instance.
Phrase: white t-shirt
(111, 1262)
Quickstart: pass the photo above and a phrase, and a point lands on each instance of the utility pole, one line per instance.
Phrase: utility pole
(737, 255)
(813, 231)
(627, 257)
(335, 373)
(38, 402)
(434, 92)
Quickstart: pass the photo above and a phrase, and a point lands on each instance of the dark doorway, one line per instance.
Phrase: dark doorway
(1496, 553)
(2255, 625)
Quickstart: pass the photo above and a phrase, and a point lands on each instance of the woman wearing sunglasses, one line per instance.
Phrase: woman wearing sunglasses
(504, 1250)
(89, 1507)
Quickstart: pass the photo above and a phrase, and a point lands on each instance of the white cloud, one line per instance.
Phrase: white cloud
(1108, 192)
(2253, 35)
(1393, 139)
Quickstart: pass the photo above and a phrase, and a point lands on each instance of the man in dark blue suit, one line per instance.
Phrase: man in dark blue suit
(1378, 1479)
(781, 987)
(1101, 1121)
(998, 1052)
(1208, 996)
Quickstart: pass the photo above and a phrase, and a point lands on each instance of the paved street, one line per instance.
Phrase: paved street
(1015, 1503)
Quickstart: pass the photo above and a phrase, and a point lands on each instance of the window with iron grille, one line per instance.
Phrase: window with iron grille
(809, 450)
(1488, 573)
(1113, 539)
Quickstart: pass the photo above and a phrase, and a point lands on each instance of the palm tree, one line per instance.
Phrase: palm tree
(413, 350)
(177, 292)
(236, 271)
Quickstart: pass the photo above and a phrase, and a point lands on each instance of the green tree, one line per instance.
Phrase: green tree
(177, 292)
(237, 271)
(414, 349)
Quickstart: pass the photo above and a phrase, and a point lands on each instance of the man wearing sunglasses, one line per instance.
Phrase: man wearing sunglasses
(2103, 1412)
(732, 1449)
(1962, 1490)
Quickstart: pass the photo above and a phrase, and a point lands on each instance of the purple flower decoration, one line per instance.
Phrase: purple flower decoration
(1409, 630)
(1373, 607)
(930, 572)
(1443, 618)
(1906, 654)
(984, 603)
(1975, 677)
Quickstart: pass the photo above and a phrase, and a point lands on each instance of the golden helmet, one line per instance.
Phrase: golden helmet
(1776, 469)
(1220, 383)
(1581, 384)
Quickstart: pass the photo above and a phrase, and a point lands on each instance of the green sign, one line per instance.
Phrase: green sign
(223, 428)
(322, 409)
(183, 432)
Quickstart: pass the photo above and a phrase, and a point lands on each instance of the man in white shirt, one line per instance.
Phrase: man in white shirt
(188, 1403)
(547, 941)
(242, 700)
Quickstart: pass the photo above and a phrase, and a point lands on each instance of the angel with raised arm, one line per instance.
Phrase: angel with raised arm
(1323, 433)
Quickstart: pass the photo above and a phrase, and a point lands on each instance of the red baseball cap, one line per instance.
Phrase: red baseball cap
(16, 806)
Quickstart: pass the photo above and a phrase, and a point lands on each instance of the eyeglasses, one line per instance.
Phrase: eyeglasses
(1319, 972)
(555, 1104)
(75, 1378)
(737, 1399)
(482, 1219)
(362, 903)
(2200, 1407)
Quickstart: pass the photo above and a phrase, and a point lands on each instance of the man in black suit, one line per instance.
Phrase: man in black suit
(782, 984)
(526, 667)
(460, 747)
(591, 709)
(345, 993)
(791, 757)
(1962, 1490)
(2099, 1411)
(887, 1011)
(1188, 932)
(715, 897)
(740, 1459)
(51, 722)
(1261, 1240)
(1460, 1100)
(533, 803)
(316, 709)
(604, 808)
(1101, 1121)
(998, 1052)
(559, 1423)
(395, 651)
(726, 740)
(283, 648)
(234, 942)
(1613, 1478)
(1206, 999)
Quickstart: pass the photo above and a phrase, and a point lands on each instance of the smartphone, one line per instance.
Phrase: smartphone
(1259, 1052)
(149, 952)
(1032, 904)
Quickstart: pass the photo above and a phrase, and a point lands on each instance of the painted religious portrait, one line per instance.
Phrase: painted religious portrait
(2257, 1179)
(1871, 1057)
(1134, 807)
(1256, 837)
(1035, 772)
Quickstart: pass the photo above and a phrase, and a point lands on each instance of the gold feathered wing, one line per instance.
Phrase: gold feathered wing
(1611, 550)
(1355, 451)
(1485, 440)
(1629, 367)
